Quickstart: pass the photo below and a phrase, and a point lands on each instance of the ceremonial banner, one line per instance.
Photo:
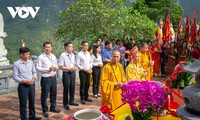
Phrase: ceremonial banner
(179, 31)
(193, 31)
(187, 29)
(166, 31)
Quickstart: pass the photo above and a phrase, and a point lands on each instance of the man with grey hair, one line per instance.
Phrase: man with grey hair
(112, 78)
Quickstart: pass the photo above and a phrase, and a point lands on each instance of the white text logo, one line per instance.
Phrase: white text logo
(23, 12)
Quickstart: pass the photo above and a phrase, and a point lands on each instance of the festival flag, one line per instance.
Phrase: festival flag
(179, 31)
(166, 31)
(171, 33)
(193, 31)
(23, 43)
(159, 33)
(187, 29)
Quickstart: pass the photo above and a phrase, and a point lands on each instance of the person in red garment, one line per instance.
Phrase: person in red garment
(195, 53)
(155, 53)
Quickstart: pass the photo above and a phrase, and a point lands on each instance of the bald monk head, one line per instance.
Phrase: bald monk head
(115, 56)
(143, 47)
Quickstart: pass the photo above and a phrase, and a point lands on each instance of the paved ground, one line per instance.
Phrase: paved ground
(9, 105)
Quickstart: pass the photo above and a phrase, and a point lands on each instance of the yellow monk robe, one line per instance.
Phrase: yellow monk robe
(134, 71)
(111, 95)
(144, 62)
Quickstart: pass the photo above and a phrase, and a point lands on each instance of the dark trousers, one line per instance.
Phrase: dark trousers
(69, 87)
(84, 84)
(163, 64)
(48, 84)
(26, 92)
(96, 73)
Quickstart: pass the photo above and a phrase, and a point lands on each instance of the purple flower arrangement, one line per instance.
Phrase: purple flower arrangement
(145, 98)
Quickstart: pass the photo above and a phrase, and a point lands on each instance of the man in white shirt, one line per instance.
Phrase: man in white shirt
(47, 65)
(67, 64)
(84, 63)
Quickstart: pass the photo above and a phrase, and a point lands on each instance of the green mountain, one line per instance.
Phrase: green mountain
(29, 29)
(189, 6)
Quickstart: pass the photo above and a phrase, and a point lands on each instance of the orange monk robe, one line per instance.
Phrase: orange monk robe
(134, 71)
(111, 95)
(144, 62)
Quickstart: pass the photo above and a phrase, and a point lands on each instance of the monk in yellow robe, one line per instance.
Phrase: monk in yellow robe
(112, 78)
(145, 61)
(134, 70)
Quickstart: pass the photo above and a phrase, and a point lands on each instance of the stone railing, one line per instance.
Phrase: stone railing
(8, 85)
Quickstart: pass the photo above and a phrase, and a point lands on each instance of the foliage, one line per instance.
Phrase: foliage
(48, 35)
(178, 77)
(89, 19)
(145, 98)
(31, 30)
(156, 8)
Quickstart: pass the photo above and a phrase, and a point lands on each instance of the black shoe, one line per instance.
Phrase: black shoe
(66, 107)
(74, 104)
(56, 110)
(46, 114)
(82, 101)
(35, 118)
(89, 100)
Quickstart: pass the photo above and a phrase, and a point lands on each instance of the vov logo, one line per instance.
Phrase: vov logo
(23, 12)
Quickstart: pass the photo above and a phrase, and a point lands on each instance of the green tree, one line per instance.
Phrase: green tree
(89, 19)
(48, 35)
(156, 8)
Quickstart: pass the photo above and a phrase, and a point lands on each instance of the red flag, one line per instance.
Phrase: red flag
(187, 29)
(166, 31)
(179, 31)
(193, 31)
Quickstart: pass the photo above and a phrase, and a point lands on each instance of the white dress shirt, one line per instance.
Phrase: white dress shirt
(103, 44)
(67, 60)
(84, 60)
(96, 60)
(44, 62)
